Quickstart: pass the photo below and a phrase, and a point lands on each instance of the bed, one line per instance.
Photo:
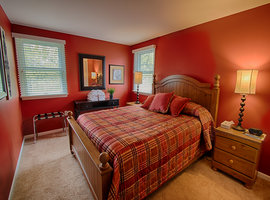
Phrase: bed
(134, 142)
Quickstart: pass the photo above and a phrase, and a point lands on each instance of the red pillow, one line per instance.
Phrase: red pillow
(177, 105)
(148, 101)
(161, 102)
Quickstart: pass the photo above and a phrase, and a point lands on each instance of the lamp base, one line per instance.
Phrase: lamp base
(137, 102)
(238, 128)
(241, 114)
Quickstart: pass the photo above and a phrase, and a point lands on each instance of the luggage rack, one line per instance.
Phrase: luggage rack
(51, 115)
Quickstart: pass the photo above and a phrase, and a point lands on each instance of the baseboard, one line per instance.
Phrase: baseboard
(264, 176)
(16, 170)
(44, 133)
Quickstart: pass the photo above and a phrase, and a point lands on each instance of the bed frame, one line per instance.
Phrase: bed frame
(94, 164)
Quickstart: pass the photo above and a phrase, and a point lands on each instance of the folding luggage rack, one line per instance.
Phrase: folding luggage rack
(48, 116)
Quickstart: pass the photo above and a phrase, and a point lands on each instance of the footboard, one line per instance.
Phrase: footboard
(94, 164)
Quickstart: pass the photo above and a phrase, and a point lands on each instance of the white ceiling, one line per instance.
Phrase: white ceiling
(121, 21)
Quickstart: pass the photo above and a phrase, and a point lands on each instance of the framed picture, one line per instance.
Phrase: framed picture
(6, 63)
(117, 74)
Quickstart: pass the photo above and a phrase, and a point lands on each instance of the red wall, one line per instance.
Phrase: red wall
(240, 41)
(114, 54)
(10, 120)
(221, 46)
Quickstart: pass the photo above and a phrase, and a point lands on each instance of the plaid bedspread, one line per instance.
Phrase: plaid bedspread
(146, 148)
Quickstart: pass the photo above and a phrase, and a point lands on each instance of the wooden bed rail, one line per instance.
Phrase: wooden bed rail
(94, 164)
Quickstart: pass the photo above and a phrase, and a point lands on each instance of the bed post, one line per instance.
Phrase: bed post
(215, 99)
(154, 84)
(104, 158)
(70, 133)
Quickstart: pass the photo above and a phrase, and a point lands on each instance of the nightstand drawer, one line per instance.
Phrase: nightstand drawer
(236, 163)
(237, 148)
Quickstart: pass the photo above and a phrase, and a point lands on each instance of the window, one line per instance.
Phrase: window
(41, 67)
(144, 60)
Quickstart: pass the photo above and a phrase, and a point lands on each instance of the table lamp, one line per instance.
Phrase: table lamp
(138, 81)
(245, 84)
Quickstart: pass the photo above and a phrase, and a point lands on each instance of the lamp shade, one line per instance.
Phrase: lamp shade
(246, 81)
(138, 77)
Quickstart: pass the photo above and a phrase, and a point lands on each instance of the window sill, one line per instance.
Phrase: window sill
(44, 97)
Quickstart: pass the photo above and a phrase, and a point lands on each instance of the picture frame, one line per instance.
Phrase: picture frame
(92, 72)
(6, 64)
(116, 74)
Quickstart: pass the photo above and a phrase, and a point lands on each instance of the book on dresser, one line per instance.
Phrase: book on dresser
(83, 106)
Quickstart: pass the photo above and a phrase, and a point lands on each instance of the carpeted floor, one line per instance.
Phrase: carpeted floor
(48, 171)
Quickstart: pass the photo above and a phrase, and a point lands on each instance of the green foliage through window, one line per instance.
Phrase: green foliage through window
(144, 62)
(42, 68)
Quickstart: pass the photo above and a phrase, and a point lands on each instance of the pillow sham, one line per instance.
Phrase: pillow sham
(161, 102)
(177, 105)
(148, 101)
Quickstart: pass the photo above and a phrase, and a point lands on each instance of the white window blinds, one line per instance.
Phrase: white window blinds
(144, 60)
(41, 67)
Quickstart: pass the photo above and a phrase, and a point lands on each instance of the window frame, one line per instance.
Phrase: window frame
(61, 53)
(138, 52)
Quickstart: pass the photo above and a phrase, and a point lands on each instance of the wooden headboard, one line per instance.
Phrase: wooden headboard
(185, 86)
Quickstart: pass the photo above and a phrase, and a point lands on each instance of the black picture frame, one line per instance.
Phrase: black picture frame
(6, 64)
(3, 89)
(116, 74)
(81, 63)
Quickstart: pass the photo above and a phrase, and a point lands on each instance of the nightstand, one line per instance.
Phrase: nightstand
(133, 104)
(237, 154)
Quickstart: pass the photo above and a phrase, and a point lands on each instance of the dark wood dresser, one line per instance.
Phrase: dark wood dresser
(82, 106)
(237, 154)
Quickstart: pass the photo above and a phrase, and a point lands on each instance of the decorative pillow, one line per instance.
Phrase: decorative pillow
(177, 105)
(161, 102)
(148, 101)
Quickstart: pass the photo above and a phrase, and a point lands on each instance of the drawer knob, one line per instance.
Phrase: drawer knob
(231, 161)
(233, 147)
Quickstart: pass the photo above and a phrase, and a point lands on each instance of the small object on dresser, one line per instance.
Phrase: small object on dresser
(96, 95)
(111, 91)
(227, 124)
(255, 131)
(261, 137)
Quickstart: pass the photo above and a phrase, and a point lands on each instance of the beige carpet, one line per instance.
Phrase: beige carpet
(48, 171)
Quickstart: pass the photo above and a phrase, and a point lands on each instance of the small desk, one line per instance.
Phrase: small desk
(82, 106)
